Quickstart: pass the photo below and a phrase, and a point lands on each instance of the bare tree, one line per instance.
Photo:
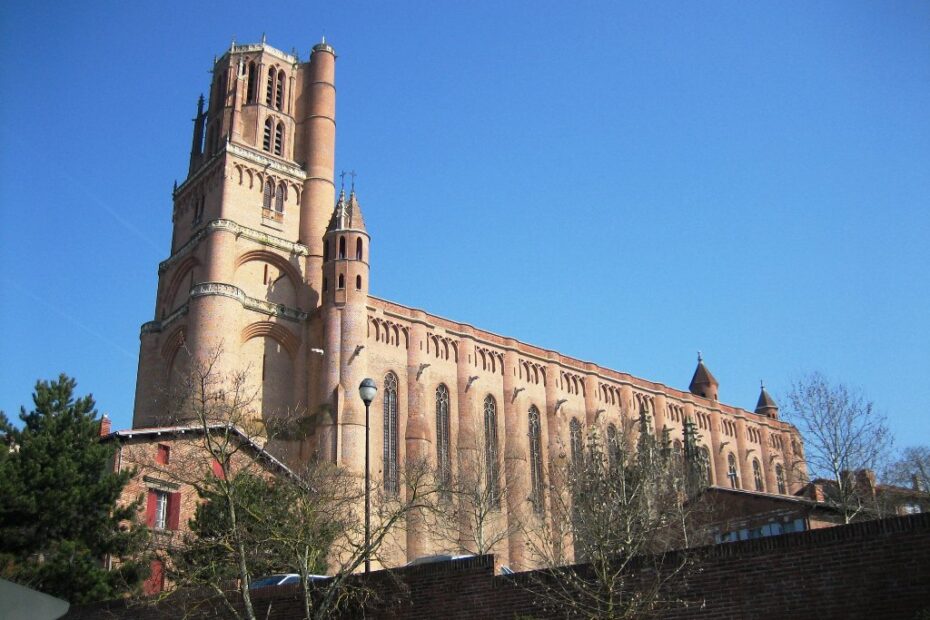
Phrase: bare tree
(843, 435)
(911, 469)
(258, 516)
(469, 518)
(623, 512)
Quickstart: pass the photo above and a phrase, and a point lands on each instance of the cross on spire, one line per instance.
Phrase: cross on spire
(353, 175)
(342, 177)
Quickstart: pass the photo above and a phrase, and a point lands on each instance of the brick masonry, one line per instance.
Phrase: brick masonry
(874, 569)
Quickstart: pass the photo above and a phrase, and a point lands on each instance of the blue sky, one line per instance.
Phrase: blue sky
(624, 183)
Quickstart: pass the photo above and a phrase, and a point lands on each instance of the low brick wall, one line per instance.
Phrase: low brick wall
(875, 569)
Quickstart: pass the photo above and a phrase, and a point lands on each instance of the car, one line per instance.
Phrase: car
(441, 557)
(282, 579)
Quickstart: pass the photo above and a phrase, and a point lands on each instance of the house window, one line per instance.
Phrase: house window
(443, 457)
(911, 508)
(162, 454)
(757, 475)
(162, 509)
(536, 474)
(490, 450)
(391, 482)
(731, 471)
(780, 479)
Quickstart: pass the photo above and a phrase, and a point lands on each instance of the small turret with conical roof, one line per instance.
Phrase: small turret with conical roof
(703, 382)
(766, 405)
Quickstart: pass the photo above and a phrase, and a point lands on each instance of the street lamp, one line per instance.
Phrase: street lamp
(367, 390)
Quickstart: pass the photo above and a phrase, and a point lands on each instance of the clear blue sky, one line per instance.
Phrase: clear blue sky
(624, 183)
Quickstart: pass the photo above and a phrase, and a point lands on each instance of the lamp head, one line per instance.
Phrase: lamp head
(367, 390)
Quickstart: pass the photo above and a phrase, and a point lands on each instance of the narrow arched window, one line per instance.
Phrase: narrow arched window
(780, 479)
(757, 475)
(326, 250)
(279, 91)
(358, 283)
(251, 84)
(731, 471)
(269, 91)
(266, 139)
(325, 285)
(574, 432)
(342, 247)
(342, 282)
(705, 464)
(677, 449)
(267, 196)
(536, 471)
(358, 249)
(279, 139)
(279, 198)
(613, 446)
(391, 479)
(492, 467)
(443, 453)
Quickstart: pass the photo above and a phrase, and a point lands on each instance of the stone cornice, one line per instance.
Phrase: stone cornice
(153, 327)
(206, 289)
(238, 230)
(264, 161)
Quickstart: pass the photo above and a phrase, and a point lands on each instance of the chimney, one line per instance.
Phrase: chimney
(865, 482)
(104, 425)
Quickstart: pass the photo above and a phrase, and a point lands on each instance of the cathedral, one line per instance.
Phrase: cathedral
(269, 271)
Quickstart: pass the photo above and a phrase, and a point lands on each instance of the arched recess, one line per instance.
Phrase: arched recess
(256, 280)
(267, 353)
(182, 274)
(177, 363)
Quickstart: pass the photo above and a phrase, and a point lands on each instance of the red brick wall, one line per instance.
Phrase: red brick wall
(875, 569)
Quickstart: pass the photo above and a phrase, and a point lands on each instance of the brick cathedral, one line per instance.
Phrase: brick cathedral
(270, 267)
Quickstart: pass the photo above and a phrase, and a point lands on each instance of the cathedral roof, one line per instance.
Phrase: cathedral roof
(347, 215)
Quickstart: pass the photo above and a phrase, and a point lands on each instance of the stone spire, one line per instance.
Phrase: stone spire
(347, 215)
(703, 382)
(766, 405)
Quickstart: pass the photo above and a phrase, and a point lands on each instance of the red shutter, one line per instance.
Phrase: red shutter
(174, 510)
(156, 581)
(161, 457)
(218, 469)
(150, 505)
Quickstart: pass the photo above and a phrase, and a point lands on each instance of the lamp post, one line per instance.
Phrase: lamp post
(367, 390)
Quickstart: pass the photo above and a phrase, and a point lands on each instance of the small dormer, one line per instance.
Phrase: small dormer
(703, 382)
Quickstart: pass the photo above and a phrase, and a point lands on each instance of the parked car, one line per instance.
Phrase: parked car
(282, 579)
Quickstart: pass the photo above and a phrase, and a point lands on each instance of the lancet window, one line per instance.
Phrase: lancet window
(536, 473)
(757, 475)
(490, 450)
(391, 480)
(443, 454)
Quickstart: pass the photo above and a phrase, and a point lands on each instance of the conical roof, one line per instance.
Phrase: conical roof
(766, 404)
(702, 377)
(347, 215)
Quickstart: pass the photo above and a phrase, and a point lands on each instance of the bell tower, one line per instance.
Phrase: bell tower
(243, 278)
(345, 325)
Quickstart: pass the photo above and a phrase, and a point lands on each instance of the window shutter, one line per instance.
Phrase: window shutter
(218, 469)
(150, 509)
(174, 510)
(156, 581)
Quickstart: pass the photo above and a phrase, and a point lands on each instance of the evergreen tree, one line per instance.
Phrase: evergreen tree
(58, 511)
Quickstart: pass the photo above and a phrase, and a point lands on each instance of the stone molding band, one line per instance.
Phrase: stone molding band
(240, 231)
(209, 289)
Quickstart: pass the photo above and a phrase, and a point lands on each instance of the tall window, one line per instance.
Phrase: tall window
(279, 139)
(391, 480)
(358, 249)
(574, 432)
(269, 90)
(757, 475)
(279, 91)
(279, 198)
(266, 140)
(443, 456)
(342, 247)
(731, 471)
(490, 450)
(267, 196)
(705, 464)
(613, 446)
(161, 510)
(536, 474)
(780, 479)
(250, 89)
